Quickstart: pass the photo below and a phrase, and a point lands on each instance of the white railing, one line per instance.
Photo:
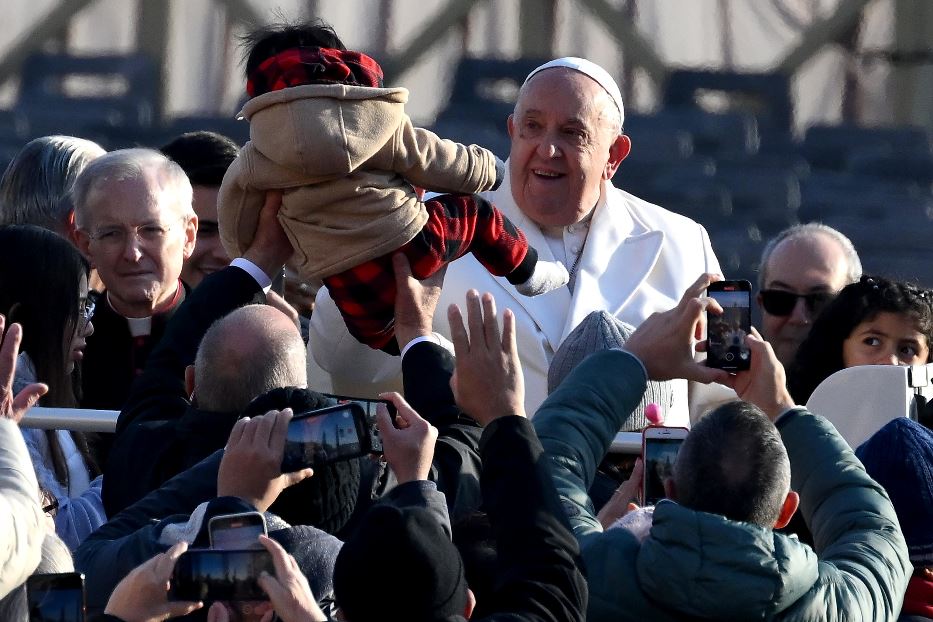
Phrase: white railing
(78, 419)
(87, 420)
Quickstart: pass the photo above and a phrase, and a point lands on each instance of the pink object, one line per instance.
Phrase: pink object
(653, 414)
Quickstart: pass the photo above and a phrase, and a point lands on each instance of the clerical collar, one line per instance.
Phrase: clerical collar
(142, 326)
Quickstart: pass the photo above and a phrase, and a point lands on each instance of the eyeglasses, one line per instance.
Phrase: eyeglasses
(780, 302)
(86, 309)
(149, 234)
(49, 502)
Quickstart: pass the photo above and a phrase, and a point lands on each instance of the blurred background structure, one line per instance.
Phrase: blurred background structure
(746, 116)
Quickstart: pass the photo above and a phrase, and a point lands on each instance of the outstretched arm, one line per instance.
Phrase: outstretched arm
(538, 567)
(434, 163)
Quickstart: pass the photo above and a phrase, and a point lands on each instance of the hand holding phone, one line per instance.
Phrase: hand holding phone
(726, 332)
(141, 594)
(251, 466)
(659, 453)
(409, 444)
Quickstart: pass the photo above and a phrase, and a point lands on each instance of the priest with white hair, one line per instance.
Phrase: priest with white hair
(624, 255)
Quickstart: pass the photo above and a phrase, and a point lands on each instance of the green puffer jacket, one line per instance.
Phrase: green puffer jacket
(695, 565)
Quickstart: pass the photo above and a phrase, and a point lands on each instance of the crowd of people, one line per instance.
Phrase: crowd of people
(141, 280)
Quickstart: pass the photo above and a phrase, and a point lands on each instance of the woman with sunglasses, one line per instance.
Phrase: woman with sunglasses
(44, 287)
(872, 322)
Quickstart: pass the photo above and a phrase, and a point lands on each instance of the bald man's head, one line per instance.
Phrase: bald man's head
(246, 353)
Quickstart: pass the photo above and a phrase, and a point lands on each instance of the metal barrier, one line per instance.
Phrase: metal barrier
(77, 419)
(626, 443)
(87, 420)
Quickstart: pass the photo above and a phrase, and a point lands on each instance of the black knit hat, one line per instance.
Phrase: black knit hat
(327, 499)
(399, 565)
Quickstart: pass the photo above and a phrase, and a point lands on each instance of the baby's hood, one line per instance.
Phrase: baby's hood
(324, 130)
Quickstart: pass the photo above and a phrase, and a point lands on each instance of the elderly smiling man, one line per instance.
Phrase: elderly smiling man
(624, 255)
(136, 225)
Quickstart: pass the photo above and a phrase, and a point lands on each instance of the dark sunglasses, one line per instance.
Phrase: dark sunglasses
(779, 302)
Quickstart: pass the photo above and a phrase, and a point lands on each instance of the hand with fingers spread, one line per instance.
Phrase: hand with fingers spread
(408, 445)
(415, 301)
(142, 596)
(764, 384)
(252, 461)
(14, 407)
(270, 248)
(623, 499)
(665, 343)
(288, 590)
(487, 381)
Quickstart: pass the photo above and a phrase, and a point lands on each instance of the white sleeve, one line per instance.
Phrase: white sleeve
(22, 527)
(339, 363)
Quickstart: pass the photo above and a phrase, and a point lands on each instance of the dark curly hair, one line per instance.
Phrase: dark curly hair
(269, 40)
(820, 354)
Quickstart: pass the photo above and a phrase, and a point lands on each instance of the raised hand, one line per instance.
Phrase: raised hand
(487, 381)
(14, 407)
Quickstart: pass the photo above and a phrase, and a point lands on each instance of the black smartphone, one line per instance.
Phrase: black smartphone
(331, 434)
(369, 408)
(237, 531)
(56, 597)
(208, 575)
(725, 333)
(659, 447)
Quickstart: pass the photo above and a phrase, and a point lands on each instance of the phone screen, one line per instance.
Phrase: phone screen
(660, 455)
(209, 575)
(236, 531)
(726, 347)
(320, 437)
(369, 409)
(56, 597)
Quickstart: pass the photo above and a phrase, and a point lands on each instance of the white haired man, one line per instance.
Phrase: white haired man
(624, 255)
(136, 226)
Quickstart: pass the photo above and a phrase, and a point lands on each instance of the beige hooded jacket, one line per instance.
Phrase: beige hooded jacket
(346, 157)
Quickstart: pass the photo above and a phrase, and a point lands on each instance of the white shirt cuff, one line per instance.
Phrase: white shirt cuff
(433, 338)
(261, 278)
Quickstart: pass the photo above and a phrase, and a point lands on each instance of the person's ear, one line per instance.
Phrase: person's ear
(471, 604)
(191, 235)
(758, 300)
(787, 510)
(70, 228)
(83, 241)
(510, 124)
(189, 381)
(618, 151)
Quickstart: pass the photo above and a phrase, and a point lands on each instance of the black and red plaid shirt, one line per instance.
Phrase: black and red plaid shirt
(311, 65)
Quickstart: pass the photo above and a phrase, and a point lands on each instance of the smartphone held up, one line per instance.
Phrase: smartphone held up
(327, 435)
(208, 575)
(725, 345)
(659, 447)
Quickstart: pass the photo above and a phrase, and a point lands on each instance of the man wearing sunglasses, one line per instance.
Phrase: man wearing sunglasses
(802, 269)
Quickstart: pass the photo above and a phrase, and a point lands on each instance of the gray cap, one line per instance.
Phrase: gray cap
(601, 331)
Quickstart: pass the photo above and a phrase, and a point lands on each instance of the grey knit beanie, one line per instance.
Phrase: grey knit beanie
(601, 331)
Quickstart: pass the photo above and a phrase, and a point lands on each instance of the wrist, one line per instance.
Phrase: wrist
(270, 265)
(406, 334)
